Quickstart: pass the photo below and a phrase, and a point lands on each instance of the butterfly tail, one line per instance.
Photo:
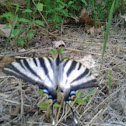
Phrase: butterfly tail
(73, 115)
(52, 114)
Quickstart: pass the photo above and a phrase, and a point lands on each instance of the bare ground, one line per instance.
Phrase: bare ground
(19, 100)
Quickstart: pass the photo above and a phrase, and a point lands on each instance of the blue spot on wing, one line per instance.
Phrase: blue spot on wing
(72, 93)
(69, 98)
(54, 100)
(45, 91)
(49, 97)
(67, 102)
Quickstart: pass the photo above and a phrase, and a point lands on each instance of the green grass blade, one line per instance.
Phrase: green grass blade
(12, 29)
(108, 28)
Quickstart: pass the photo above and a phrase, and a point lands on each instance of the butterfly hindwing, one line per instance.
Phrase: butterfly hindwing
(38, 71)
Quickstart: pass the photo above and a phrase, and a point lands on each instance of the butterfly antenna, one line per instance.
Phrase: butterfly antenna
(73, 116)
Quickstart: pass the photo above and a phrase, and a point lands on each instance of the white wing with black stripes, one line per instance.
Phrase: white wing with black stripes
(48, 74)
(38, 71)
(74, 76)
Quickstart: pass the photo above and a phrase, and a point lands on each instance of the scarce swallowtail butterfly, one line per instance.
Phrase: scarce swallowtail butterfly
(49, 74)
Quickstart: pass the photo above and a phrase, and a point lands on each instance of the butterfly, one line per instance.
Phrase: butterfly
(49, 74)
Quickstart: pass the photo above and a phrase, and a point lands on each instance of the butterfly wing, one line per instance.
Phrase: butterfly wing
(38, 71)
(74, 76)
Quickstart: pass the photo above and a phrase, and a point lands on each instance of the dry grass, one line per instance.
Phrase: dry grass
(18, 100)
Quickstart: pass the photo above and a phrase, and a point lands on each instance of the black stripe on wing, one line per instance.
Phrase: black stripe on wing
(72, 67)
(19, 61)
(50, 61)
(65, 62)
(43, 65)
(34, 59)
(27, 65)
(11, 70)
(86, 72)
(58, 60)
(88, 84)
(79, 67)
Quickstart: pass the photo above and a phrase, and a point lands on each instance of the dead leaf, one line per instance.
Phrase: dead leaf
(5, 61)
(89, 62)
(84, 18)
(92, 31)
(58, 44)
(5, 31)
